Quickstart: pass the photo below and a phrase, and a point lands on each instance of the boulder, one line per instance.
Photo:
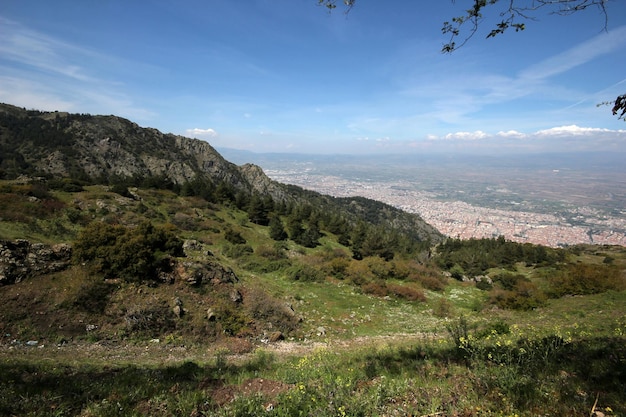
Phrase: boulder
(235, 296)
(196, 273)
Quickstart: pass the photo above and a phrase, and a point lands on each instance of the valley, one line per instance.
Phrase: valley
(143, 273)
(552, 200)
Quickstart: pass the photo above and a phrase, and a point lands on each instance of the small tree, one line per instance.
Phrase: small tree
(277, 230)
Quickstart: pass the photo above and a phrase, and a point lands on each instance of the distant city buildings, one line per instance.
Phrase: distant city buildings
(465, 221)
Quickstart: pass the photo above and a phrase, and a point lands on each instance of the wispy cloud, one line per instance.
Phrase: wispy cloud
(41, 52)
(600, 45)
(560, 131)
(47, 73)
(462, 97)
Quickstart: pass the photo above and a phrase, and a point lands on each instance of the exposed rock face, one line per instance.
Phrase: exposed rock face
(22, 259)
(110, 146)
(261, 183)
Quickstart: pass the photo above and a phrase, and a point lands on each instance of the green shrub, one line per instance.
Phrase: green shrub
(234, 237)
(305, 273)
(508, 281)
(262, 307)
(580, 279)
(457, 272)
(134, 254)
(273, 253)
(237, 251)
(121, 189)
(337, 267)
(263, 266)
(524, 296)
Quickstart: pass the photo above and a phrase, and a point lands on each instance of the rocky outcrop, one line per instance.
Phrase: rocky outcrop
(262, 184)
(21, 259)
(196, 273)
(108, 146)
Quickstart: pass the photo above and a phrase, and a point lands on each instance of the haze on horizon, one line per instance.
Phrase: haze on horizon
(286, 76)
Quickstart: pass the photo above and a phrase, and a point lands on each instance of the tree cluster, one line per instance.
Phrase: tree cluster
(474, 257)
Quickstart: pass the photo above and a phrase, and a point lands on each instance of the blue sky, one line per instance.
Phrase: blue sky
(286, 76)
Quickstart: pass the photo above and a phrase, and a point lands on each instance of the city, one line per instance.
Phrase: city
(464, 220)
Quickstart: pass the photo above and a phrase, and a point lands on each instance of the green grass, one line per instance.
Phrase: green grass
(522, 372)
(377, 355)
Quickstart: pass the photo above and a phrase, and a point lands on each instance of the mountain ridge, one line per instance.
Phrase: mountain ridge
(110, 149)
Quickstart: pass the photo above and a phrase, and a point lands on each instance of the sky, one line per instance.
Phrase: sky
(288, 76)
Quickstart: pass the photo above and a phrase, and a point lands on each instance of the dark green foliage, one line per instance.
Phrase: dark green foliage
(295, 228)
(476, 256)
(484, 285)
(498, 327)
(120, 189)
(236, 251)
(277, 229)
(234, 237)
(134, 254)
(310, 237)
(457, 272)
(381, 288)
(509, 281)
(199, 187)
(305, 273)
(375, 241)
(68, 185)
(31, 134)
(580, 279)
(303, 226)
(516, 292)
(258, 209)
(224, 193)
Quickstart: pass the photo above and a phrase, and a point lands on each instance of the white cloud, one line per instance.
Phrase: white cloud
(511, 134)
(571, 137)
(201, 133)
(574, 130)
(479, 134)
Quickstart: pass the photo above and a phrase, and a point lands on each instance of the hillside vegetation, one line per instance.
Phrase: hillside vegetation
(229, 294)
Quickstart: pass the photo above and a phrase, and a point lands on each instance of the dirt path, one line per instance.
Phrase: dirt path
(156, 352)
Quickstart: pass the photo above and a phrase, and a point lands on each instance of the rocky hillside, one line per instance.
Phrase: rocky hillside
(110, 149)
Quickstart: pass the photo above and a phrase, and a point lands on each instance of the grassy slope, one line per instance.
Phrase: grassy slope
(396, 357)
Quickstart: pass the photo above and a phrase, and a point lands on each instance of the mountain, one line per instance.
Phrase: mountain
(110, 150)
